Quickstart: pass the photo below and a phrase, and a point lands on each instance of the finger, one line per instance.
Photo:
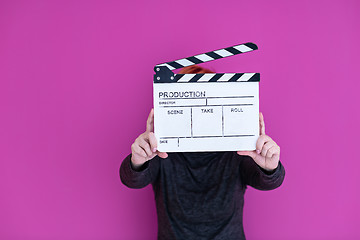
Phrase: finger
(251, 154)
(152, 142)
(266, 147)
(146, 146)
(276, 156)
(260, 142)
(262, 124)
(139, 151)
(150, 121)
(162, 154)
(271, 151)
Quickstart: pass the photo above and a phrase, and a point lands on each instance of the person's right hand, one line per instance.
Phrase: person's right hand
(145, 146)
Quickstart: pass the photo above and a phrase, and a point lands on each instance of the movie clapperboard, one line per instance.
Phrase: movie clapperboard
(206, 112)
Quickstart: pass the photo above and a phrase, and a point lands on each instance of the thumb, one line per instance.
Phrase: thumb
(252, 154)
(162, 154)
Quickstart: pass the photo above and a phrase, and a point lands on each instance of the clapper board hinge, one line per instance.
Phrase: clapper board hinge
(164, 74)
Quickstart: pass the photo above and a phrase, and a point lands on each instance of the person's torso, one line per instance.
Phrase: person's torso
(200, 193)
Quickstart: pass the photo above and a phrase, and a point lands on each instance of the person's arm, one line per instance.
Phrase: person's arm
(142, 166)
(140, 176)
(262, 168)
(259, 178)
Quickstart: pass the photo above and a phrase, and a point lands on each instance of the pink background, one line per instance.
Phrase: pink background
(76, 88)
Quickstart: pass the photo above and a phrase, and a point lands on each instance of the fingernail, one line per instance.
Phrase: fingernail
(257, 151)
(154, 149)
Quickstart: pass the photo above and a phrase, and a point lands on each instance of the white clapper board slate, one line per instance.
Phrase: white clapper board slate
(206, 112)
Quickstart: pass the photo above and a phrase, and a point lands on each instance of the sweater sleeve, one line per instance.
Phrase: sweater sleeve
(139, 178)
(253, 175)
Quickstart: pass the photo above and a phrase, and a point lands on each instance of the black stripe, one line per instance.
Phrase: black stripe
(194, 60)
(255, 78)
(169, 98)
(213, 105)
(232, 50)
(216, 77)
(178, 77)
(213, 55)
(235, 77)
(196, 77)
(175, 65)
(251, 45)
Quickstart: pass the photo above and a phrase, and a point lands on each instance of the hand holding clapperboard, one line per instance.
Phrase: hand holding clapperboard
(206, 112)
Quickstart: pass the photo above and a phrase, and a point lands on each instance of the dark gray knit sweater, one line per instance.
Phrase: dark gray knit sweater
(200, 195)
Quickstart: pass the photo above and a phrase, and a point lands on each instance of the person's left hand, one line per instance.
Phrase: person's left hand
(267, 153)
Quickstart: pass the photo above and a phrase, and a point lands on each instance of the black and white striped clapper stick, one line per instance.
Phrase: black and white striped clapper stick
(164, 72)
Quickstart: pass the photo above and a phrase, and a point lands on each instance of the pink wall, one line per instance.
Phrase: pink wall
(76, 88)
